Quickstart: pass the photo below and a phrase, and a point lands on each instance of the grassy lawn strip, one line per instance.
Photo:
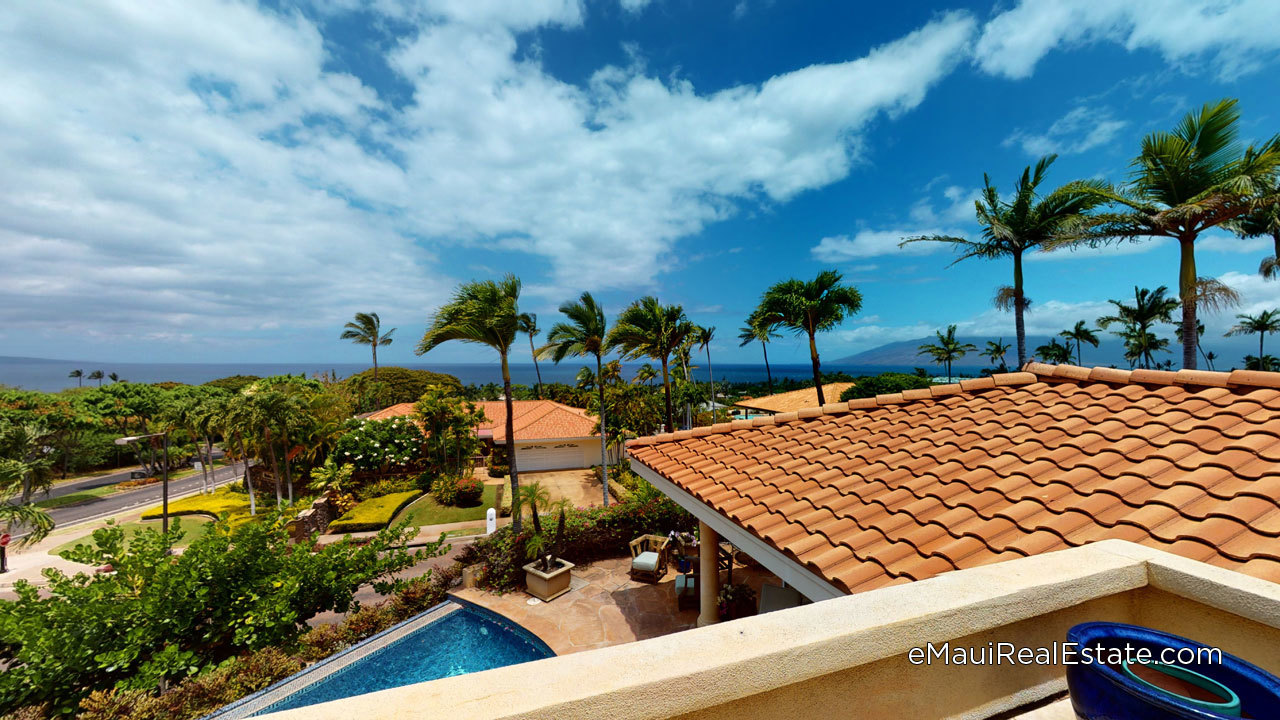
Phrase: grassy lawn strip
(193, 528)
(222, 500)
(79, 497)
(373, 514)
(429, 512)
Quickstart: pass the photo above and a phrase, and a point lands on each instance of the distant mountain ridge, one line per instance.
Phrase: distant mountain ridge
(905, 352)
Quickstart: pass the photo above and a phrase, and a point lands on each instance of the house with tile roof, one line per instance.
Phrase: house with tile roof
(548, 435)
(793, 400)
(900, 488)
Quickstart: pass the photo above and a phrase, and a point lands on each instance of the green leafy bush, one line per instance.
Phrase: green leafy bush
(373, 514)
(381, 446)
(884, 384)
(385, 486)
(402, 385)
(458, 492)
(234, 383)
(157, 618)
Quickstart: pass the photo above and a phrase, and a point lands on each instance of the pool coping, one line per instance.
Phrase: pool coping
(246, 706)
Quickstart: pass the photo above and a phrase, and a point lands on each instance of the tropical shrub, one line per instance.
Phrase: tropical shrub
(373, 514)
(884, 384)
(402, 385)
(381, 446)
(385, 486)
(234, 383)
(458, 491)
(449, 421)
(157, 618)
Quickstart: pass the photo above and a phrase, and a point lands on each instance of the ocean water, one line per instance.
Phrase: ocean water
(51, 375)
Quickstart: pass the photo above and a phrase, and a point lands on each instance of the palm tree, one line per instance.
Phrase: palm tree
(995, 351)
(97, 375)
(1080, 334)
(647, 328)
(1149, 307)
(14, 514)
(1021, 225)
(113, 377)
(1185, 182)
(704, 336)
(810, 307)
(237, 422)
(1054, 352)
(1264, 221)
(757, 330)
(1209, 357)
(78, 375)
(585, 379)
(1267, 321)
(529, 326)
(485, 313)
(583, 335)
(367, 330)
(1268, 363)
(645, 374)
(947, 349)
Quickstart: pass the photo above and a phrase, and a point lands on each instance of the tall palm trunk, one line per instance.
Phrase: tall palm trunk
(516, 524)
(288, 478)
(375, 361)
(604, 449)
(712, 376)
(208, 453)
(666, 389)
(768, 374)
(1261, 336)
(275, 466)
(248, 479)
(1019, 307)
(817, 369)
(537, 370)
(1187, 291)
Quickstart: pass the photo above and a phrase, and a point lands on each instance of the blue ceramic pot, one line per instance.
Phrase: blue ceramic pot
(1109, 691)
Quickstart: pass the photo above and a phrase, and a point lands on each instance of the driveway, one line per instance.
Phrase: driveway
(580, 487)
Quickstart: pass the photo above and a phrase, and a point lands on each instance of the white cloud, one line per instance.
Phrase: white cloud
(1081, 129)
(1234, 36)
(195, 164)
(634, 6)
(875, 243)
(1101, 252)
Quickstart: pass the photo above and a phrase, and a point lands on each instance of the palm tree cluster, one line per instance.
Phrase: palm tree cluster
(1183, 182)
(947, 349)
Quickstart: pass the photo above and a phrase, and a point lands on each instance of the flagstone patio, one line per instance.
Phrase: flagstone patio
(603, 607)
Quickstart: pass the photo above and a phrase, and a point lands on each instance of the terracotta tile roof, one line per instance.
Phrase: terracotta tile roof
(533, 419)
(902, 487)
(796, 399)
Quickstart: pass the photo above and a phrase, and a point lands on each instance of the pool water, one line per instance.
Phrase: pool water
(464, 641)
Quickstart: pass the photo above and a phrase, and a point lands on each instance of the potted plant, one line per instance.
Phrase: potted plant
(737, 600)
(547, 576)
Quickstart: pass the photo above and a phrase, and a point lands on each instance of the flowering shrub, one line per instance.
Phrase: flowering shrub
(459, 492)
(381, 446)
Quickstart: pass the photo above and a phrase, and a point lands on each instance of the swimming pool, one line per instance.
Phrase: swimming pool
(450, 639)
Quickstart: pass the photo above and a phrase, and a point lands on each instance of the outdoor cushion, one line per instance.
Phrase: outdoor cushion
(685, 585)
(645, 562)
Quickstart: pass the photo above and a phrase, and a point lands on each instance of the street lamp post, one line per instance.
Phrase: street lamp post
(164, 490)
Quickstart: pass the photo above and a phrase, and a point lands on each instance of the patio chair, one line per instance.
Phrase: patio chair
(649, 558)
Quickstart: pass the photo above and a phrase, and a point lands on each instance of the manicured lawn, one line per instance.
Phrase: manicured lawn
(72, 499)
(192, 528)
(222, 500)
(372, 514)
(426, 511)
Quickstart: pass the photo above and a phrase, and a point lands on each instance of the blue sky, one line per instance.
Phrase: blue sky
(209, 181)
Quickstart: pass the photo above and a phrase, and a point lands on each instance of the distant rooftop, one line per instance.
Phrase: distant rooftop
(533, 419)
(795, 399)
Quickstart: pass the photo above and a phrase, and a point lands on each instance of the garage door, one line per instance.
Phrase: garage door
(548, 457)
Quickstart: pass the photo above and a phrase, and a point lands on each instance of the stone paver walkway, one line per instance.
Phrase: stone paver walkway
(605, 607)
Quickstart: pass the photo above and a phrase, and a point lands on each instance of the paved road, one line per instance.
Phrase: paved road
(76, 486)
(133, 499)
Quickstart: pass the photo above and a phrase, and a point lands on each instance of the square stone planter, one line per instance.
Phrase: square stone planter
(547, 586)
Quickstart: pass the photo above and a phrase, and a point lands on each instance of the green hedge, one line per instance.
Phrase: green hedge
(373, 514)
(222, 500)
